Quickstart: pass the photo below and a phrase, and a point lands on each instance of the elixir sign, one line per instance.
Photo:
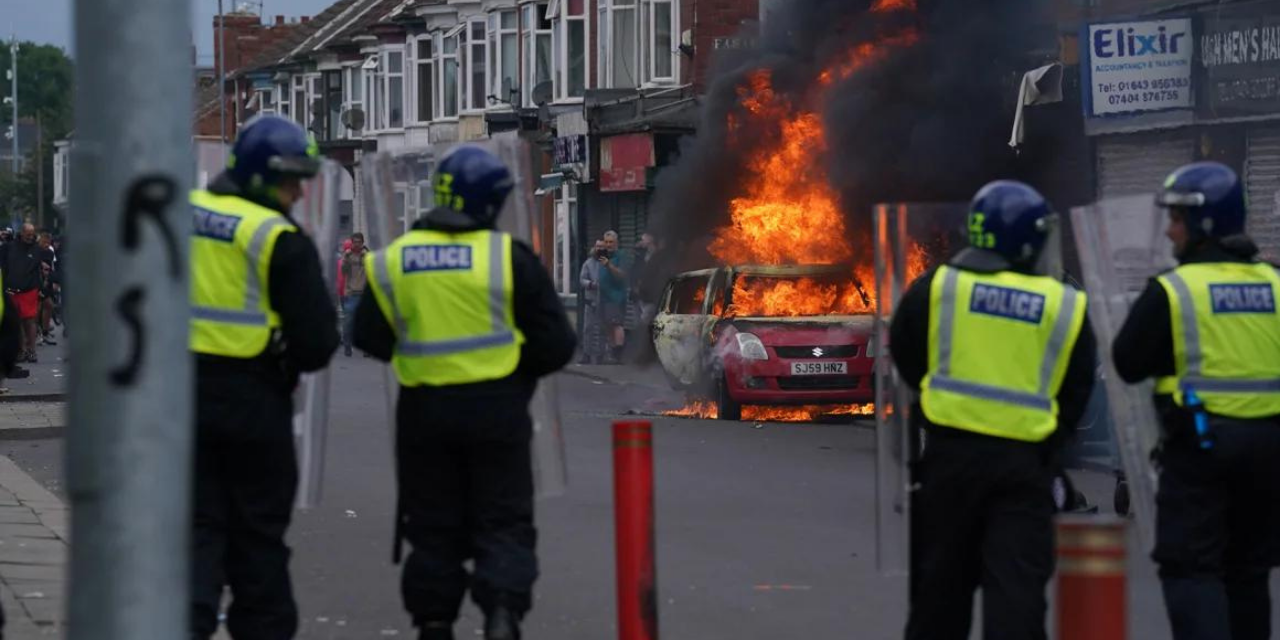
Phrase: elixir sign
(1139, 66)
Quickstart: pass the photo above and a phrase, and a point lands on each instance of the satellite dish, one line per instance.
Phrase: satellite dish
(353, 119)
(542, 92)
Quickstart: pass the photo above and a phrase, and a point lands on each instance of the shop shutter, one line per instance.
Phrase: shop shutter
(1138, 163)
(1262, 184)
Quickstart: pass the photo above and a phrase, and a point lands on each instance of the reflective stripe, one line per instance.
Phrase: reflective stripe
(497, 278)
(947, 320)
(229, 316)
(1232, 386)
(1190, 330)
(987, 392)
(448, 347)
(1066, 317)
(382, 273)
(253, 286)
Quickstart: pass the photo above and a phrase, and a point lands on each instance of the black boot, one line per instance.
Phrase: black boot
(501, 624)
(436, 631)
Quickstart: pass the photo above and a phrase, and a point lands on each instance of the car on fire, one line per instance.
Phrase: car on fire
(768, 335)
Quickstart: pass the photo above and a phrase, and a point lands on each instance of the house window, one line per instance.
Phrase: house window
(658, 40)
(266, 101)
(504, 57)
(282, 100)
(332, 124)
(315, 105)
(537, 50)
(375, 91)
(569, 33)
(354, 95)
(300, 100)
(450, 78)
(473, 67)
(619, 57)
(425, 77)
(393, 81)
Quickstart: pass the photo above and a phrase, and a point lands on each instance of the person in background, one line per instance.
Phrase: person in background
(589, 279)
(49, 287)
(342, 279)
(354, 281)
(647, 285)
(614, 292)
(20, 260)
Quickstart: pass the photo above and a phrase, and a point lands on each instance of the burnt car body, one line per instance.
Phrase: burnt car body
(704, 344)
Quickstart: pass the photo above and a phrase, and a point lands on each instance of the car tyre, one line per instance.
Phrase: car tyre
(726, 407)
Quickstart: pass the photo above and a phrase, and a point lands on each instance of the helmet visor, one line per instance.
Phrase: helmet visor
(1169, 199)
(295, 167)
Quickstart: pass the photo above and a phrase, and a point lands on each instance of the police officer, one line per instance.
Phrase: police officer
(1208, 332)
(469, 319)
(261, 314)
(1004, 361)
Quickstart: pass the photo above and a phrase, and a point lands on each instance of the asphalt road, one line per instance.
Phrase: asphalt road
(763, 531)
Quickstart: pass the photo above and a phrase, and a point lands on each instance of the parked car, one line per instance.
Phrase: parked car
(765, 355)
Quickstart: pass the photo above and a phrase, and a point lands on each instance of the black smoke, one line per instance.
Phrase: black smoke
(929, 122)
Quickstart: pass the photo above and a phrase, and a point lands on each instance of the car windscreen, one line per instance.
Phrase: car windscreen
(791, 295)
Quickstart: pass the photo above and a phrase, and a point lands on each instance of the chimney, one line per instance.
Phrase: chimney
(279, 21)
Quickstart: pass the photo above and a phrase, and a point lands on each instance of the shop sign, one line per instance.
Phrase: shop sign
(624, 162)
(1136, 67)
(570, 150)
(1240, 55)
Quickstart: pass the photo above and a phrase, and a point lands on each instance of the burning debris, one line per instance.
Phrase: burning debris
(706, 410)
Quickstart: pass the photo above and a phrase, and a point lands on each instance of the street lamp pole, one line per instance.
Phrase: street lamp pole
(13, 96)
(222, 70)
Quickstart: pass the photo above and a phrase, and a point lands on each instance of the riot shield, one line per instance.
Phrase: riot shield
(909, 239)
(1121, 244)
(317, 214)
(399, 191)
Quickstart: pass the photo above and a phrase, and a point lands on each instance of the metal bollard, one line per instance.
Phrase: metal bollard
(1091, 578)
(634, 526)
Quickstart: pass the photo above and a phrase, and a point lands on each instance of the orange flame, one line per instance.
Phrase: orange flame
(789, 213)
(885, 6)
(706, 410)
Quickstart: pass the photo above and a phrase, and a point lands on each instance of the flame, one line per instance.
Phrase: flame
(705, 409)
(885, 6)
(788, 212)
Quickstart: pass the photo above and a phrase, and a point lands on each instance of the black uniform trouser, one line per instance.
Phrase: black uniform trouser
(466, 493)
(1218, 531)
(246, 476)
(981, 517)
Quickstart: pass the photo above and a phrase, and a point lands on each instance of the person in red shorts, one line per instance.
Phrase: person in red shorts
(20, 261)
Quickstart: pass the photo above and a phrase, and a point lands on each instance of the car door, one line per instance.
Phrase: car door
(679, 324)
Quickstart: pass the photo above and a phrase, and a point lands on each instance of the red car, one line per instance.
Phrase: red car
(796, 335)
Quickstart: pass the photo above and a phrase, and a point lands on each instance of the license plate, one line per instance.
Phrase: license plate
(818, 368)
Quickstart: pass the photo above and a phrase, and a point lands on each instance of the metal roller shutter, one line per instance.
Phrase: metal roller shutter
(1139, 163)
(1262, 183)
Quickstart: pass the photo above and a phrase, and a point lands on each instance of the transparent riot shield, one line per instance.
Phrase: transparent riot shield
(1121, 244)
(317, 214)
(398, 191)
(909, 240)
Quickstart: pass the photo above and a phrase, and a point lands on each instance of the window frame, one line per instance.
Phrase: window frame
(284, 99)
(431, 86)
(476, 42)
(331, 122)
(532, 16)
(649, 49)
(561, 21)
(500, 38)
(353, 80)
(443, 107)
(388, 80)
(607, 64)
(299, 84)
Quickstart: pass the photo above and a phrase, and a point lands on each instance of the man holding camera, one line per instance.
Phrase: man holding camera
(614, 290)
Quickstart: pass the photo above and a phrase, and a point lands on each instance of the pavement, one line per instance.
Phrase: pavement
(764, 530)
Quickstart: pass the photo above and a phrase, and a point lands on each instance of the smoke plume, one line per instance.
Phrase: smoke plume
(926, 122)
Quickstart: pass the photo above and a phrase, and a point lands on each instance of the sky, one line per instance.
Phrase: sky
(49, 21)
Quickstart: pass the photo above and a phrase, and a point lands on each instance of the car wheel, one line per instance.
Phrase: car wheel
(726, 407)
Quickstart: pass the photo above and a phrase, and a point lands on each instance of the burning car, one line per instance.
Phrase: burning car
(768, 335)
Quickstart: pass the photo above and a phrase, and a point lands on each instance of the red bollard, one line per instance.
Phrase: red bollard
(1091, 578)
(633, 522)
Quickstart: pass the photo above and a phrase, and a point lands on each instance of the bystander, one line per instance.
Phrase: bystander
(354, 282)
